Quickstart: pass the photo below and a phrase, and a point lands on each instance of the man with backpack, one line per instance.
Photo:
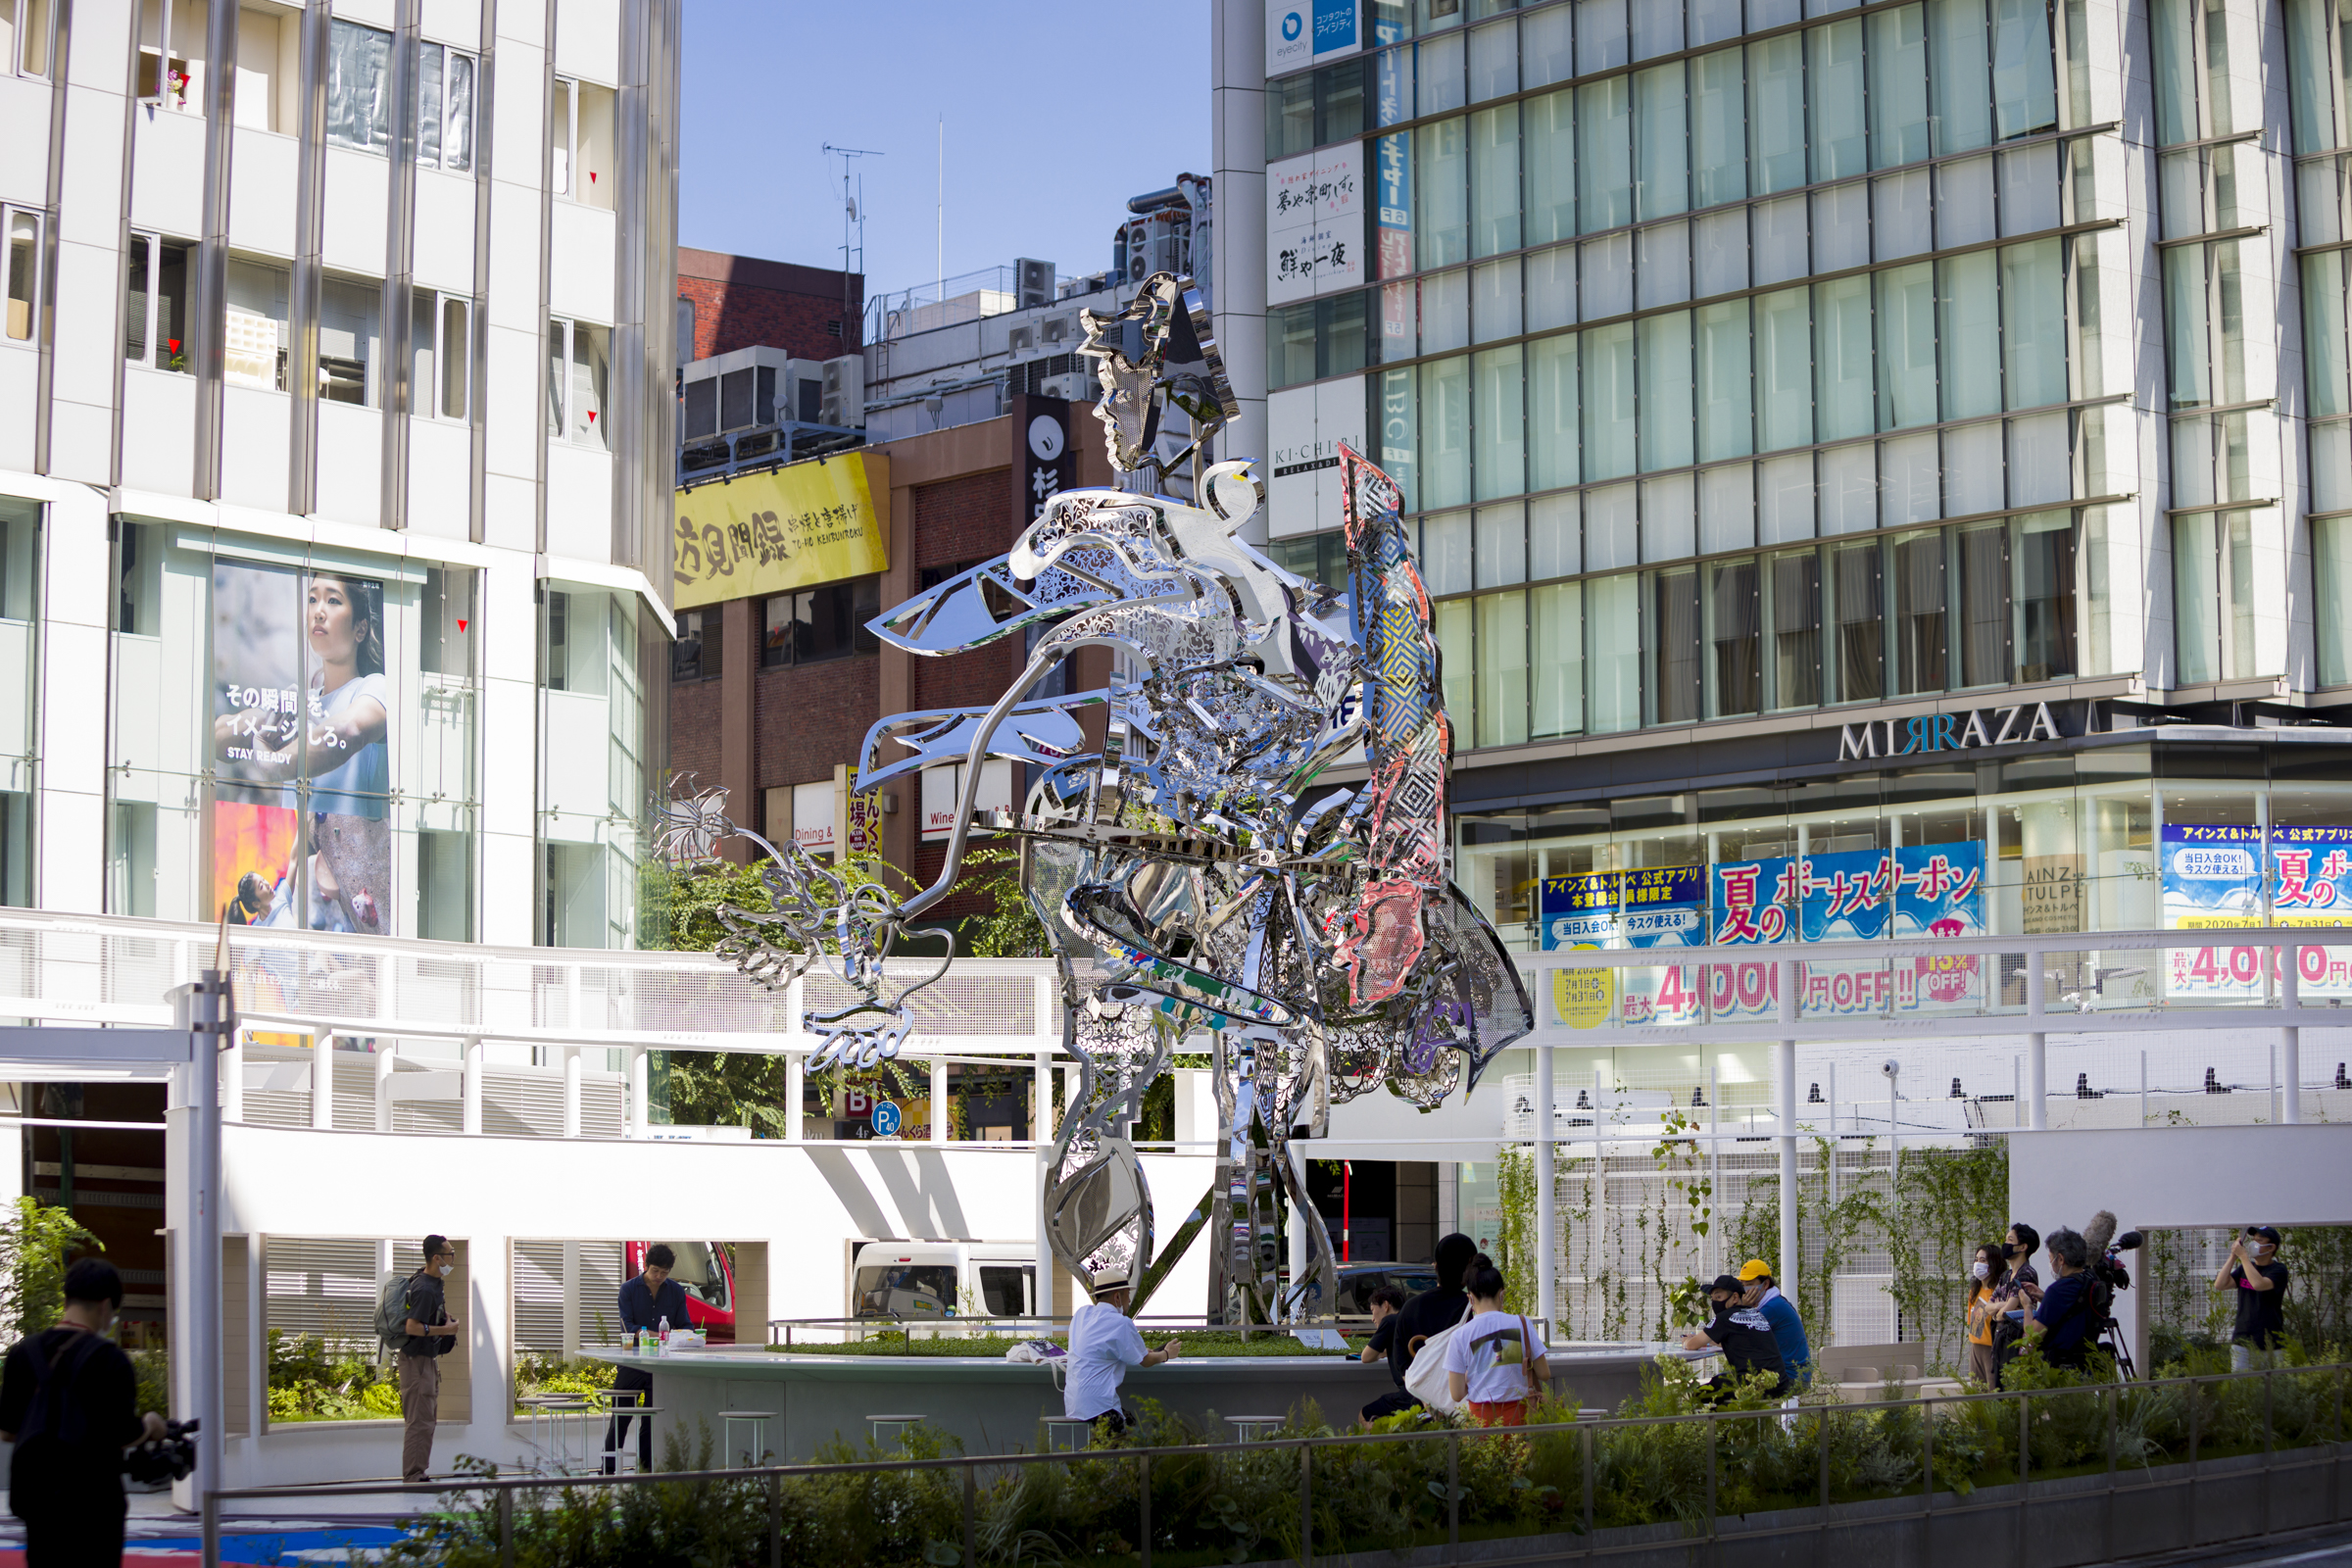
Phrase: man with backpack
(70, 1403)
(412, 1318)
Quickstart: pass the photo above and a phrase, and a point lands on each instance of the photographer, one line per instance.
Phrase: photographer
(68, 1401)
(2261, 1283)
(2063, 1325)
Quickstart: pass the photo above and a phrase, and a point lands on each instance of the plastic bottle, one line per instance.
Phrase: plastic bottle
(662, 1330)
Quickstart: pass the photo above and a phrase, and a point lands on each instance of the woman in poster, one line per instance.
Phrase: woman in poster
(346, 716)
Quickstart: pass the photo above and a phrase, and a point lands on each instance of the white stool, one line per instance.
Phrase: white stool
(1069, 1433)
(889, 1429)
(758, 1421)
(1252, 1428)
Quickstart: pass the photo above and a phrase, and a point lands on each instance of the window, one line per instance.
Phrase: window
(685, 330)
(2213, 597)
(155, 306)
(441, 355)
(350, 317)
(445, 109)
(579, 133)
(25, 29)
(579, 359)
(2331, 582)
(254, 338)
(695, 655)
(359, 87)
(24, 271)
(820, 624)
(169, 34)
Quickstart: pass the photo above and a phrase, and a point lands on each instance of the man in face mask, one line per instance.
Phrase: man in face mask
(429, 1339)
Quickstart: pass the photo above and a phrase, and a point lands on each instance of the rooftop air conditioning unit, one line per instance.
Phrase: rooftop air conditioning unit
(1021, 339)
(1056, 328)
(1033, 283)
(844, 402)
(1075, 386)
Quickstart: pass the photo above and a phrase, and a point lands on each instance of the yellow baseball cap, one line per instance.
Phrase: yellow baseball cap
(1755, 1268)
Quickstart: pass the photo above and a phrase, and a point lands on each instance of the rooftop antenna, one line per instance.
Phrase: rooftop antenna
(849, 213)
(939, 260)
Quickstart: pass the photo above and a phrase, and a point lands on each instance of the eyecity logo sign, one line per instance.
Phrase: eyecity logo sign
(1308, 31)
(1947, 732)
(1291, 26)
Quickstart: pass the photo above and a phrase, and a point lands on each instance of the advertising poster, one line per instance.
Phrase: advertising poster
(1918, 890)
(2208, 880)
(1315, 223)
(1651, 907)
(301, 830)
(789, 527)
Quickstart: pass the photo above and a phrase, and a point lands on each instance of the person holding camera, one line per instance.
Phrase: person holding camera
(2260, 1279)
(2063, 1325)
(70, 1403)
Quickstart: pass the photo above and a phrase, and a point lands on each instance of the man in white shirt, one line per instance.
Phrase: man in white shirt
(1104, 1344)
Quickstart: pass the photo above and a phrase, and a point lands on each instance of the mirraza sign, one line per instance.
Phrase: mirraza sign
(1947, 732)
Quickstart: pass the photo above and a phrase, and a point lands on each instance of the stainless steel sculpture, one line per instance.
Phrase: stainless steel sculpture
(1191, 877)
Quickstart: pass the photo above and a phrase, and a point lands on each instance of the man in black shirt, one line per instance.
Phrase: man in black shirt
(647, 1301)
(428, 1324)
(2066, 1324)
(1745, 1336)
(70, 1403)
(2261, 1281)
(1387, 1303)
(1434, 1311)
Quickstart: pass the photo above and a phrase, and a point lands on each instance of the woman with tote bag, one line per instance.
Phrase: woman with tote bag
(1493, 1362)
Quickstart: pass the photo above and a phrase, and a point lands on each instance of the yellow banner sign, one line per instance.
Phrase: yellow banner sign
(789, 527)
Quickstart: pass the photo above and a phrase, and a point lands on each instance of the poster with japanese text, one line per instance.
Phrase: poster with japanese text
(2210, 880)
(1916, 890)
(302, 831)
(1653, 906)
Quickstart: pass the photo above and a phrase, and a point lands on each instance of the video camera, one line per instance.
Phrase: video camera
(2108, 1276)
(170, 1458)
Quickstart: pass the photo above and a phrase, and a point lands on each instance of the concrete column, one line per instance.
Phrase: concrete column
(1295, 1237)
(1547, 1244)
(641, 1088)
(939, 1100)
(1785, 1068)
(232, 1078)
(322, 1079)
(572, 1111)
(1237, 31)
(2037, 1061)
(795, 1094)
(572, 1284)
(2290, 1038)
(387, 1063)
(471, 1113)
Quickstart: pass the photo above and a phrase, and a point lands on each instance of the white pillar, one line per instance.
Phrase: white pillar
(641, 1090)
(1546, 1212)
(471, 1113)
(795, 1094)
(1041, 1117)
(322, 1079)
(571, 1286)
(571, 1125)
(939, 1100)
(1784, 1065)
(2290, 1038)
(232, 1078)
(2037, 1061)
(387, 1063)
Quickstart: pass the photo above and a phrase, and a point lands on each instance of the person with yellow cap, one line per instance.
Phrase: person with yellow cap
(1787, 1329)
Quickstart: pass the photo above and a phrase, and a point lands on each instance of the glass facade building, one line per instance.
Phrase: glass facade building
(1839, 430)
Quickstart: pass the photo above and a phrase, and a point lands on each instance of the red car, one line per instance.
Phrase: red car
(706, 1271)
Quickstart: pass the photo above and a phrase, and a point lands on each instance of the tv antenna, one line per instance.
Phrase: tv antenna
(852, 211)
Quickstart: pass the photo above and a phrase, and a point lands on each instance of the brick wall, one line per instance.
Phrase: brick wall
(694, 729)
(741, 301)
(814, 717)
(968, 517)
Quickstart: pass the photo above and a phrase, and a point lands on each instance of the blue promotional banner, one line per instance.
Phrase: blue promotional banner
(1922, 889)
(2212, 877)
(1657, 907)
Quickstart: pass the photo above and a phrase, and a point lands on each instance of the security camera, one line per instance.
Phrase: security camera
(1892, 1068)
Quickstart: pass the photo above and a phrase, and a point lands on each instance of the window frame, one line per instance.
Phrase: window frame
(432, 406)
(440, 159)
(561, 388)
(155, 243)
(13, 64)
(36, 318)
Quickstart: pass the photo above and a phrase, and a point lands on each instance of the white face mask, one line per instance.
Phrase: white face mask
(1983, 1270)
(447, 1269)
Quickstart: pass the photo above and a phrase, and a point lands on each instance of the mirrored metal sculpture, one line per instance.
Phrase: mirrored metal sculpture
(1194, 880)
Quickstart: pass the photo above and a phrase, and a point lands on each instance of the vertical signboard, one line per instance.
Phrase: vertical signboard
(1315, 223)
(2213, 876)
(1043, 463)
(1304, 32)
(1304, 427)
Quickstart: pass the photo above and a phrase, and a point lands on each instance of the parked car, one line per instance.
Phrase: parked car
(707, 1269)
(944, 1279)
(1358, 1282)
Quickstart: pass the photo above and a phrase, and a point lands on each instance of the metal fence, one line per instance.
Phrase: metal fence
(2135, 1465)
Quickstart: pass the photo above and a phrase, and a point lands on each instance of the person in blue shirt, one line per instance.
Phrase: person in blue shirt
(2063, 1326)
(1787, 1329)
(645, 1302)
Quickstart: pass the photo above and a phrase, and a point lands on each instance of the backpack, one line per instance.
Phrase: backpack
(392, 1310)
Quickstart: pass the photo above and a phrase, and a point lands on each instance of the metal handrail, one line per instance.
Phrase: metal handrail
(969, 1464)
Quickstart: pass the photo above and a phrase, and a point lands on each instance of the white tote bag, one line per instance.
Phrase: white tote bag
(1425, 1379)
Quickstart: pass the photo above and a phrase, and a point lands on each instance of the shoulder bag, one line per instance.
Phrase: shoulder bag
(1424, 1377)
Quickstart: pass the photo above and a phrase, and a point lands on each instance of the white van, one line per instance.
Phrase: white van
(943, 1279)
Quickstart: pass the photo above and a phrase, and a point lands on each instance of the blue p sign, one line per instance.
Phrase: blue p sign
(886, 1119)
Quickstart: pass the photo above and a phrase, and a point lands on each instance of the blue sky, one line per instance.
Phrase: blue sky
(1057, 111)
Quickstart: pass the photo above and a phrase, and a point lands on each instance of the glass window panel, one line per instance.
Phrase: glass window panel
(1719, 252)
(2230, 299)
(1494, 181)
(1784, 375)
(1445, 432)
(1493, 61)
(1849, 488)
(1776, 121)
(1291, 116)
(1668, 525)
(1501, 465)
(1902, 220)
(2330, 468)
(1446, 312)
(1843, 378)
(1612, 530)
(1613, 653)
(1453, 620)
(1666, 390)
(1860, 621)
(2037, 459)
(2034, 323)
(1964, 212)
(2171, 24)
(1604, 132)
(1785, 498)
(457, 135)
(1922, 646)
(1608, 276)
(1551, 436)
(1557, 630)
(1841, 226)
(1657, 29)
(2237, 539)
(1502, 669)
(2323, 356)
(457, 359)
(359, 87)
(2228, 210)
(1446, 553)
(2030, 191)
(1554, 537)
(1401, 432)
(2192, 462)
(1548, 133)
(1985, 607)
(2196, 600)
(1794, 606)
(1782, 239)
(2332, 583)
(1441, 193)
(1909, 488)
(430, 59)
(1898, 86)
(2310, 80)
(1496, 300)
(1501, 545)
(1907, 346)
(1675, 641)
(2045, 596)
(1601, 38)
(1609, 401)
(1723, 429)
(1735, 639)
(1550, 277)
(1546, 47)
(1660, 139)
(1973, 468)
(1664, 271)
(1713, 20)
(1393, 169)
(1727, 508)
(1835, 83)
(1340, 103)
(1344, 333)
(2024, 81)
(1291, 343)
(1957, 59)
(23, 268)
(1971, 338)
(1440, 75)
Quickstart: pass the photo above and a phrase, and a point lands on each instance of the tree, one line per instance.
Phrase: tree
(33, 1242)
